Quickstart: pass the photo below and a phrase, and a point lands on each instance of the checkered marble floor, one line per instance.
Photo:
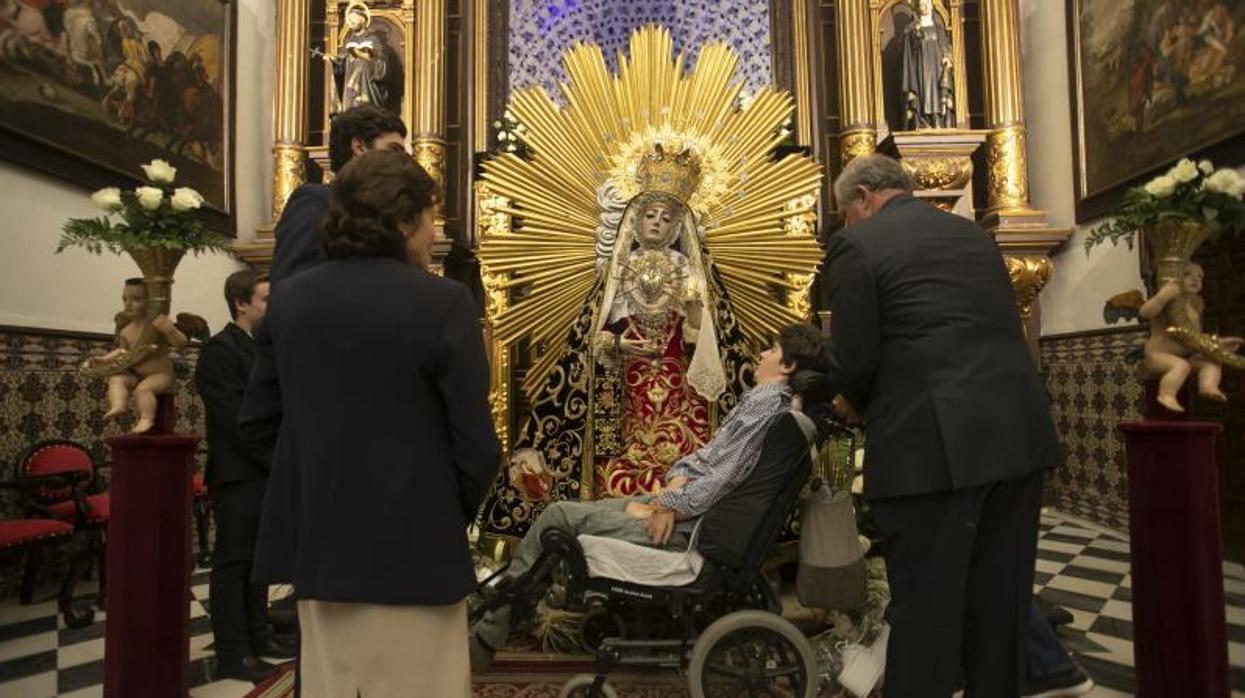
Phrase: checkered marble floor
(1082, 567)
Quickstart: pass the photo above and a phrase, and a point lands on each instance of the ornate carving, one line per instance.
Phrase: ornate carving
(856, 143)
(1029, 276)
(430, 154)
(801, 222)
(1006, 163)
(492, 221)
(288, 173)
(939, 172)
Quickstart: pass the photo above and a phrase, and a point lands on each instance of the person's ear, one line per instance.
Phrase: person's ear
(358, 146)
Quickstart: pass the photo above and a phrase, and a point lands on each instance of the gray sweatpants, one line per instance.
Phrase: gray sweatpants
(605, 517)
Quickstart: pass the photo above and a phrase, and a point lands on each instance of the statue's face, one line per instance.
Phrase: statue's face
(658, 220)
(134, 300)
(355, 20)
(1191, 282)
(926, 7)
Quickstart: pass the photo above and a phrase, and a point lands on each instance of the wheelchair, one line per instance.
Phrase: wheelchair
(723, 628)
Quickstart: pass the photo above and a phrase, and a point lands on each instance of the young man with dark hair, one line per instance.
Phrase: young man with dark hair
(693, 484)
(352, 133)
(236, 476)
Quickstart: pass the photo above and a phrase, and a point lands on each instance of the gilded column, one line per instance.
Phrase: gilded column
(1007, 178)
(858, 133)
(803, 87)
(428, 127)
(479, 75)
(290, 101)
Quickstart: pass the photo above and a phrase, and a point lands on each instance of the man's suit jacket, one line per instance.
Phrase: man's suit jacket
(298, 232)
(221, 376)
(927, 344)
(372, 376)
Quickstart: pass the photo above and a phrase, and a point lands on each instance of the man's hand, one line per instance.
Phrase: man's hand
(676, 482)
(660, 525)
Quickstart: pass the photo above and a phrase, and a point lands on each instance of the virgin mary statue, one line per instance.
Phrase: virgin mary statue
(632, 263)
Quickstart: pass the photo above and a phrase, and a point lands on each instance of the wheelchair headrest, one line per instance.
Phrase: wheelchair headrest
(813, 386)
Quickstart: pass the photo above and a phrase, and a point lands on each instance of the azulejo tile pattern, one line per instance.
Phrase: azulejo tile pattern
(42, 396)
(1093, 388)
(540, 30)
(1081, 566)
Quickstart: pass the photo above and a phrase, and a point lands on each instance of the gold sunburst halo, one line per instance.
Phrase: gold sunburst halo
(744, 198)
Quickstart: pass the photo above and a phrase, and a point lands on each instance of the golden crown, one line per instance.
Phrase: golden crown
(669, 170)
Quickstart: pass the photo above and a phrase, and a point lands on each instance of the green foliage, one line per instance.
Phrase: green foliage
(1216, 204)
(139, 228)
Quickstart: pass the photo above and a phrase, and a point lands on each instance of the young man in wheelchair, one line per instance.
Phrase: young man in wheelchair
(693, 485)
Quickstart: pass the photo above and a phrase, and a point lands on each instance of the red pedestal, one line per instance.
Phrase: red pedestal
(147, 643)
(1179, 637)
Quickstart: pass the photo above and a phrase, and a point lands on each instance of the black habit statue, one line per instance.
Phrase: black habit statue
(928, 82)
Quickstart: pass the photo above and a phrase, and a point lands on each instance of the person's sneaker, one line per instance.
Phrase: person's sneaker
(1072, 682)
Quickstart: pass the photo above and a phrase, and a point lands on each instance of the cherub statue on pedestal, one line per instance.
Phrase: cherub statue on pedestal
(1177, 347)
(141, 363)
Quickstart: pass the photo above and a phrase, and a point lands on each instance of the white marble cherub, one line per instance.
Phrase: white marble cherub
(1178, 304)
(150, 373)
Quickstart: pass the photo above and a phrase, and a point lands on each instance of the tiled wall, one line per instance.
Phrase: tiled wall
(42, 396)
(1094, 387)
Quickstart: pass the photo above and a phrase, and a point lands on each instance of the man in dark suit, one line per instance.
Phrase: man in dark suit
(354, 131)
(371, 377)
(927, 346)
(236, 476)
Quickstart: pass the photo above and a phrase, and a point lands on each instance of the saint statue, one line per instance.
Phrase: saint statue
(928, 75)
(366, 69)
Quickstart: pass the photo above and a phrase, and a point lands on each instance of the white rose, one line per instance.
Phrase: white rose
(149, 197)
(108, 198)
(160, 171)
(1160, 187)
(185, 199)
(1224, 181)
(1184, 171)
(1206, 167)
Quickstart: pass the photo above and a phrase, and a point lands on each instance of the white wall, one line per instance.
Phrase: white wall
(78, 291)
(1073, 299)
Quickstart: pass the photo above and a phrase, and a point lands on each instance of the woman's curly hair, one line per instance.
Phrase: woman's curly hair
(371, 195)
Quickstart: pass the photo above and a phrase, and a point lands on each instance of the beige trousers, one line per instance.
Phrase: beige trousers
(383, 651)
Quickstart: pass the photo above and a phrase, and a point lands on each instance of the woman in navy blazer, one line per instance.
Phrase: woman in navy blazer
(371, 377)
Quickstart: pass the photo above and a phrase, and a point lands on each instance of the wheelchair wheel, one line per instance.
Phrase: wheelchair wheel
(753, 653)
(598, 624)
(580, 686)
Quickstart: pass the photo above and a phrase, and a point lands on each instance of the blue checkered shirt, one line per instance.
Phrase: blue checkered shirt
(721, 465)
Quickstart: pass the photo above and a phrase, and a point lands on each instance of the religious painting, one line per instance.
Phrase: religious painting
(1152, 81)
(91, 89)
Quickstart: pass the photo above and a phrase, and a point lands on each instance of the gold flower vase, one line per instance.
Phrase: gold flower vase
(1172, 244)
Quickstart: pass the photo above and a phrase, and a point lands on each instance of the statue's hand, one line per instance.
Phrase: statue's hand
(162, 323)
(636, 347)
(1170, 290)
(1230, 344)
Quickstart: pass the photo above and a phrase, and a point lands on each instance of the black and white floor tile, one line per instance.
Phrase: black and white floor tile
(1082, 567)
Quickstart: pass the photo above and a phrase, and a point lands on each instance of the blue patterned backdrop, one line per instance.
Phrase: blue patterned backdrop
(540, 30)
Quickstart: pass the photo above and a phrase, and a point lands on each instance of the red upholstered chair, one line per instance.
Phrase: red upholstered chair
(58, 478)
(30, 536)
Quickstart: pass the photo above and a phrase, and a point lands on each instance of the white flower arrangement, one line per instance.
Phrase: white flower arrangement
(151, 215)
(1189, 191)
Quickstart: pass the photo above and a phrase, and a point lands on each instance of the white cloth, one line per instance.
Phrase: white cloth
(639, 564)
